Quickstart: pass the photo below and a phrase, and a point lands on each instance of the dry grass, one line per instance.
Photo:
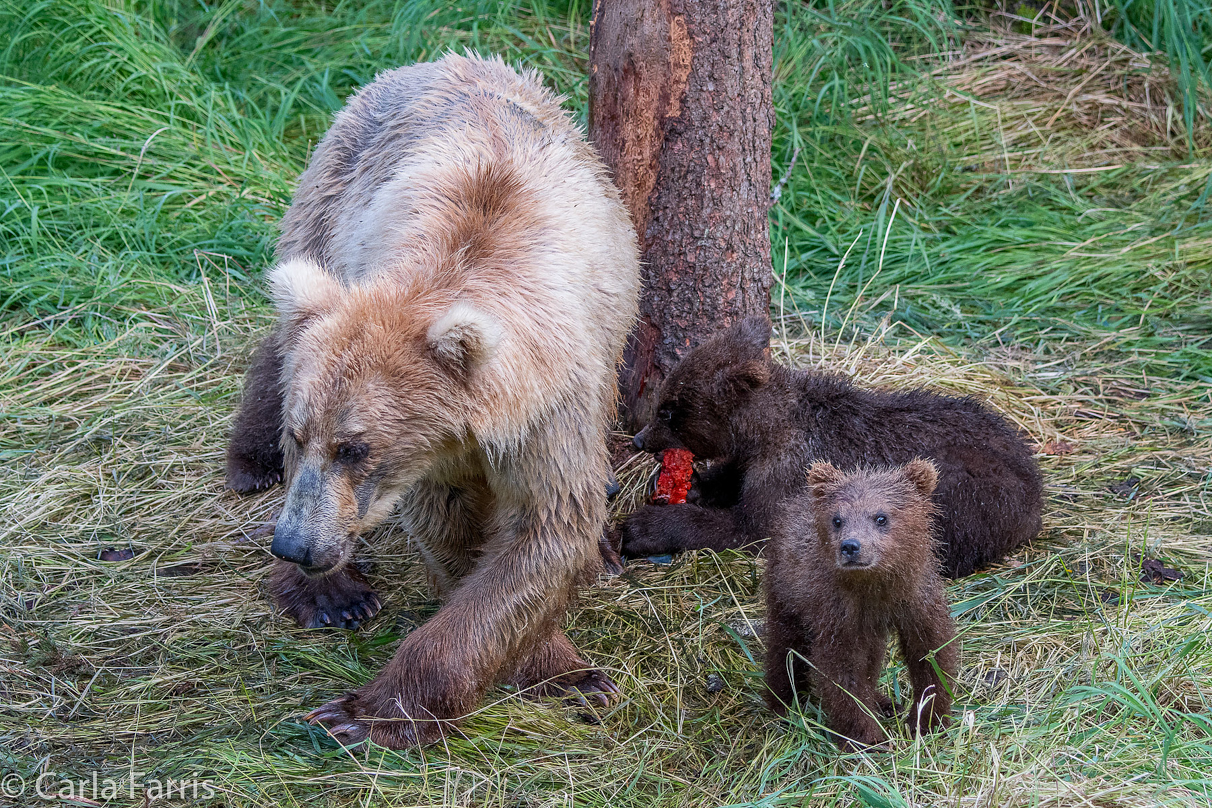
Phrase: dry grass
(1061, 98)
(174, 659)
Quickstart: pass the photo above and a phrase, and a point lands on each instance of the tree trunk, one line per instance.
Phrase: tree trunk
(680, 109)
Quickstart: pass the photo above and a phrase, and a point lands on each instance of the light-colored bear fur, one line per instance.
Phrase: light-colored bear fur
(455, 283)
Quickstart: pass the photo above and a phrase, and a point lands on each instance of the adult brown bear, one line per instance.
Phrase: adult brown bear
(456, 279)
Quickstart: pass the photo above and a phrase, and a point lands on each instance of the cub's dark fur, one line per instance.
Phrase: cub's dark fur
(761, 424)
(850, 563)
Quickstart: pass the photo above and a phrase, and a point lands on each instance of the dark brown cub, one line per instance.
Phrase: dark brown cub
(761, 424)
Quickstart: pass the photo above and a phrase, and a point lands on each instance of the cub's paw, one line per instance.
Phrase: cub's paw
(922, 719)
(353, 718)
(611, 562)
(246, 473)
(652, 530)
(342, 599)
(865, 738)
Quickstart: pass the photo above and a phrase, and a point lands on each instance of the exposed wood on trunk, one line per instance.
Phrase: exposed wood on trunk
(680, 109)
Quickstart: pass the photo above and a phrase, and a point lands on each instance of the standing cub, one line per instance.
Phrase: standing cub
(852, 562)
(761, 424)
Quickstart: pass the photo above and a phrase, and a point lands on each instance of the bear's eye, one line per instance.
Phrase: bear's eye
(837, 521)
(294, 436)
(665, 415)
(881, 520)
(351, 453)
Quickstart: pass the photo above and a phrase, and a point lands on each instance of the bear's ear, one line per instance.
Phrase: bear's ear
(923, 475)
(463, 338)
(754, 333)
(301, 289)
(746, 377)
(824, 478)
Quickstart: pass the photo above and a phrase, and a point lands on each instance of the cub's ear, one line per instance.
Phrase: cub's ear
(824, 478)
(301, 289)
(754, 333)
(746, 377)
(923, 475)
(464, 338)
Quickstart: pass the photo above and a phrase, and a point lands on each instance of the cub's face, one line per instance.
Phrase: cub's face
(375, 391)
(874, 520)
(700, 397)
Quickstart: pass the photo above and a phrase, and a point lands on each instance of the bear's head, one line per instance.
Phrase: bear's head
(874, 520)
(375, 387)
(700, 396)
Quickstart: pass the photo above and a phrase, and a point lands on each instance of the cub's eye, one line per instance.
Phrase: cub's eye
(837, 521)
(351, 453)
(294, 436)
(881, 520)
(665, 415)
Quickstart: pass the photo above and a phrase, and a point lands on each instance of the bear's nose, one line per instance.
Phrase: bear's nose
(850, 549)
(638, 440)
(288, 546)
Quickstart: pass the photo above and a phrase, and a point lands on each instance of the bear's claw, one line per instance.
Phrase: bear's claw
(594, 685)
(336, 720)
(342, 599)
(580, 686)
(334, 611)
(350, 720)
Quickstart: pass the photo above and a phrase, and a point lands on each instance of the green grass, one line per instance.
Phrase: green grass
(1045, 244)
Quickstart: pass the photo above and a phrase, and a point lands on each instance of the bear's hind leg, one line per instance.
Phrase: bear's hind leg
(342, 599)
(254, 453)
(554, 668)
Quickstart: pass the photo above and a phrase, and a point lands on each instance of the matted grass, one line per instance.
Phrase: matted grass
(1076, 303)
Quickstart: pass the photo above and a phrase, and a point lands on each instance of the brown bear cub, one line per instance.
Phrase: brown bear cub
(456, 280)
(852, 562)
(761, 424)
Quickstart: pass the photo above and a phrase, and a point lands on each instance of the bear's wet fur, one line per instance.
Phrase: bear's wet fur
(456, 279)
(761, 424)
(850, 562)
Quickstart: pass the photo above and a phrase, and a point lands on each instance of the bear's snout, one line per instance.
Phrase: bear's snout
(850, 550)
(640, 437)
(308, 531)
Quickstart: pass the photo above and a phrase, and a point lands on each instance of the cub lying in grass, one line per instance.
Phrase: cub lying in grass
(762, 424)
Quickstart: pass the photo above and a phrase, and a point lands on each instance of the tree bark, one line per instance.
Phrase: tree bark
(680, 110)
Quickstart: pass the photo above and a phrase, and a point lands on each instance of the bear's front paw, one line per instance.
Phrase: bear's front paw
(247, 473)
(652, 530)
(342, 599)
(355, 717)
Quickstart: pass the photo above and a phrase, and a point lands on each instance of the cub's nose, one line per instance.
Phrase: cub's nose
(850, 549)
(638, 440)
